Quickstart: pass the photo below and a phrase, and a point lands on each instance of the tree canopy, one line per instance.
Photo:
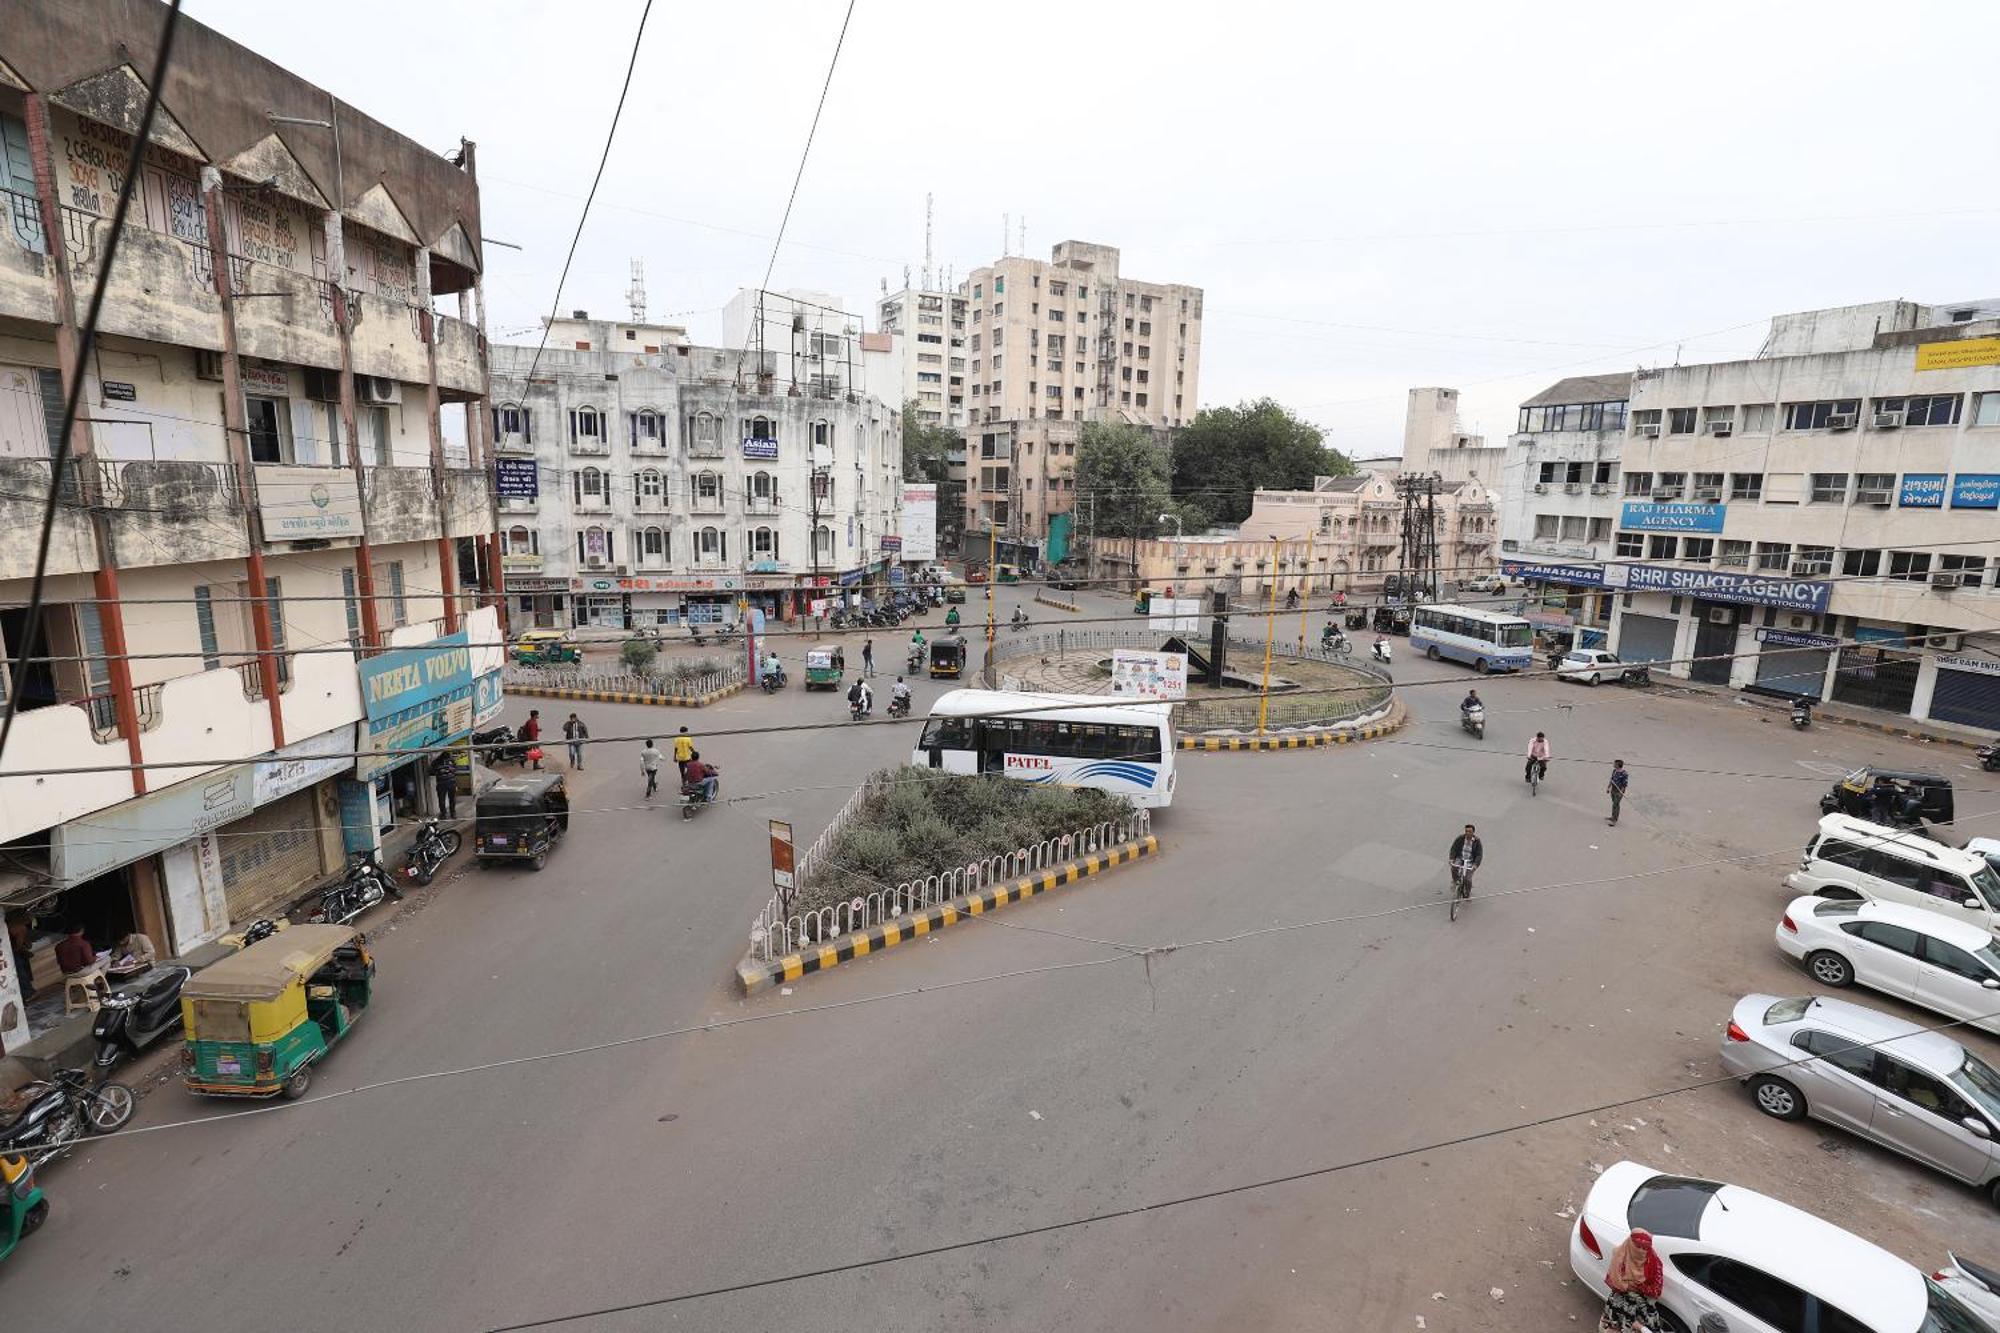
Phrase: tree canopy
(1122, 484)
(1226, 453)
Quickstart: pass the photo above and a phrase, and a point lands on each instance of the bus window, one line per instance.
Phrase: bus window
(947, 733)
(1090, 740)
(1137, 743)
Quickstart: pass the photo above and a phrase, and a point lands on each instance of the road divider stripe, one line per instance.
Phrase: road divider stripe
(758, 976)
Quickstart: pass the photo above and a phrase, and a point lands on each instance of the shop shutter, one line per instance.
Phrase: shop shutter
(270, 857)
(1645, 638)
(1787, 670)
(1969, 698)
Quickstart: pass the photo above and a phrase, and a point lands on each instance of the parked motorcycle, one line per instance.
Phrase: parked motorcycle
(1473, 721)
(365, 885)
(693, 801)
(695, 637)
(1989, 757)
(1636, 675)
(432, 848)
(129, 1022)
(498, 746)
(64, 1109)
(1802, 712)
(263, 928)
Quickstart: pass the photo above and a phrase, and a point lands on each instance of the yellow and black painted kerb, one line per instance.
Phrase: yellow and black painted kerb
(757, 976)
(1300, 740)
(620, 697)
(1058, 603)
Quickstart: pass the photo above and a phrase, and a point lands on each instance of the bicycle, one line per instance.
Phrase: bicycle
(1461, 885)
(1537, 770)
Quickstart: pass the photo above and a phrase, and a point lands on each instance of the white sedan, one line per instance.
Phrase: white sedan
(1747, 1263)
(1925, 957)
(1592, 666)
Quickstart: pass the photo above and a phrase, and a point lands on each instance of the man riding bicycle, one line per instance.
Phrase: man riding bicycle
(1466, 854)
(1538, 759)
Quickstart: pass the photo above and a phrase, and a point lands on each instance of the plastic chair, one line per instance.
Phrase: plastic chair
(90, 984)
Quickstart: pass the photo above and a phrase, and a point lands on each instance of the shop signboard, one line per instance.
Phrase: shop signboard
(413, 698)
(357, 816)
(307, 503)
(765, 449)
(851, 579)
(659, 583)
(302, 763)
(1959, 353)
(13, 1010)
(487, 698)
(1146, 675)
(891, 543)
(1644, 516)
(1530, 571)
(1793, 638)
(1984, 666)
(516, 478)
(85, 848)
(918, 522)
(1721, 586)
(518, 584)
(1975, 490)
(1921, 490)
(1174, 615)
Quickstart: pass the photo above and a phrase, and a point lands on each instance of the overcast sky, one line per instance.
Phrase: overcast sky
(1470, 194)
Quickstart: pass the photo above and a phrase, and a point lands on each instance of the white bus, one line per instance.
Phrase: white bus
(1072, 740)
(1490, 640)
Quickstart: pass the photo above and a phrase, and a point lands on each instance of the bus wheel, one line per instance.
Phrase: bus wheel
(1481, 667)
(1432, 652)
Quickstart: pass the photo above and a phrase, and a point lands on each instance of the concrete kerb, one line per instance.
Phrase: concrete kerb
(759, 976)
(1390, 720)
(1047, 599)
(622, 697)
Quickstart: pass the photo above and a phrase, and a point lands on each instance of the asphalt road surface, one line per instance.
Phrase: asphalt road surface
(559, 1104)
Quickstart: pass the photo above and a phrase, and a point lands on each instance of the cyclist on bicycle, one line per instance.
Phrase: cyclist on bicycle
(1466, 851)
(1538, 758)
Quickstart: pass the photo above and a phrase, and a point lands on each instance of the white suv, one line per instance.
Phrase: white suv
(1852, 858)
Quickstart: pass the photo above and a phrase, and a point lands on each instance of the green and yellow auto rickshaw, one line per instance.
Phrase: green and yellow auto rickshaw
(824, 668)
(546, 647)
(259, 1020)
(26, 1206)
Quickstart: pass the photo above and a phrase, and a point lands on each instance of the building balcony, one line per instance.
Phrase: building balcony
(170, 512)
(282, 314)
(705, 449)
(162, 288)
(401, 504)
(512, 444)
(468, 509)
(387, 338)
(589, 446)
(27, 284)
(708, 505)
(525, 563)
(461, 355)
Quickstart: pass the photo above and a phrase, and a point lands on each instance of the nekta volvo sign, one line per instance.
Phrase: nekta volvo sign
(415, 697)
(1717, 585)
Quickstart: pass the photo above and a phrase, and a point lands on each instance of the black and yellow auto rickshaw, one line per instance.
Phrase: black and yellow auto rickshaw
(259, 1020)
(520, 818)
(947, 657)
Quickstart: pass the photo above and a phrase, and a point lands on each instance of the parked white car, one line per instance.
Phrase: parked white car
(1851, 858)
(1592, 666)
(1483, 583)
(1750, 1264)
(1924, 957)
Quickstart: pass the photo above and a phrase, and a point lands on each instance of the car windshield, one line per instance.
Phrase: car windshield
(1988, 884)
(1981, 1082)
(1944, 1313)
(1788, 1011)
(1579, 658)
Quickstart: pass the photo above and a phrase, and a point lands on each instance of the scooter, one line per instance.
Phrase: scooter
(127, 1023)
(1382, 651)
(1989, 757)
(1801, 713)
(366, 884)
(1473, 720)
(915, 661)
(64, 1110)
(433, 847)
(1019, 620)
(693, 801)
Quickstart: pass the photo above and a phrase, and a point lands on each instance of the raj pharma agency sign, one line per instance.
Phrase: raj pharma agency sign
(1718, 586)
(415, 697)
(1529, 571)
(307, 503)
(1975, 490)
(1921, 490)
(1148, 675)
(1643, 516)
(516, 478)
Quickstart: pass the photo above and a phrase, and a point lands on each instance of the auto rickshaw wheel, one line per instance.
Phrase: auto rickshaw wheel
(32, 1220)
(541, 860)
(295, 1086)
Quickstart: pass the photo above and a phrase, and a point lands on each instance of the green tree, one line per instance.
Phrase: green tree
(927, 454)
(1226, 453)
(1122, 484)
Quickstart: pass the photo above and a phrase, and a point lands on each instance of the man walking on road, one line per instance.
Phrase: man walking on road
(650, 760)
(868, 657)
(576, 734)
(683, 751)
(1616, 788)
(531, 734)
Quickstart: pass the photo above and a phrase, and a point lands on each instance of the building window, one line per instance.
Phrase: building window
(1860, 564)
(1822, 415)
(1828, 488)
(649, 489)
(1813, 560)
(585, 423)
(1600, 529)
(763, 487)
(653, 545)
(1708, 485)
(1735, 554)
(399, 606)
(1646, 421)
(1723, 418)
(1746, 485)
(1638, 483)
(347, 592)
(1774, 555)
(1971, 569)
(1986, 409)
(204, 619)
(1913, 566)
(711, 546)
(707, 488)
(1875, 488)
(763, 544)
(589, 492)
(1937, 409)
(645, 428)
(269, 422)
(1546, 527)
(1697, 548)
(510, 419)
(1670, 486)
(1660, 546)
(822, 543)
(1632, 544)
(1680, 420)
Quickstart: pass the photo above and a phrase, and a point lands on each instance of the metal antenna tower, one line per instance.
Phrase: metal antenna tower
(1420, 554)
(636, 293)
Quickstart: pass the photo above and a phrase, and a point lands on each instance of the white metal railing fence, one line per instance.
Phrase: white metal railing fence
(591, 676)
(777, 931)
(805, 867)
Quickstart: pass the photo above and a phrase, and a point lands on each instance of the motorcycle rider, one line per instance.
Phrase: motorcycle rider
(1470, 702)
(951, 618)
(1381, 647)
(899, 697)
(1292, 600)
(860, 698)
(1538, 754)
(699, 777)
(772, 669)
(1330, 635)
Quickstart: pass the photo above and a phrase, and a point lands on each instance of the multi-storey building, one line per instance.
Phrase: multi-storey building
(1820, 519)
(1560, 497)
(929, 332)
(674, 483)
(260, 493)
(1435, 441)
(1070, 339)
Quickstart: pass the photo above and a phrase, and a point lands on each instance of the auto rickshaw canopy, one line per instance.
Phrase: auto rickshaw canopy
(272, 965)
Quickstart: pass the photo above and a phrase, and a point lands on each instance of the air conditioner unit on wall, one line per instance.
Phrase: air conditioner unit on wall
(377, 389)
(1887, 420)
(1650, 431)
(1721, 615)
(1721, 428)
(1541, 488)
(1945, 582)
(1945, 643)
(1841, 421)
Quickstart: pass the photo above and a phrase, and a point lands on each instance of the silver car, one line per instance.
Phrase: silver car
(1918, 1092)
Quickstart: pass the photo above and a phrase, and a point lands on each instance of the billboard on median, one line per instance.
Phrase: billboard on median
(919, 522)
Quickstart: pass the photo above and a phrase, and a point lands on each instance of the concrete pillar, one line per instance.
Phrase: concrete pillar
(364, 561)
(427, 322)
(496, 577)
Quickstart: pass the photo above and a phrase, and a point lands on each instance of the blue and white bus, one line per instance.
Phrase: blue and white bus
(1490, 640)
(1072, 740)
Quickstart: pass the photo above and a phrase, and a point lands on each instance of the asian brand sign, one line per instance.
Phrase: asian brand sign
(1148, 675)
(1720, 586)
(1921, 490)
(766, 449)
(1958, 353)
(918, 521)
(415, 697)
(1643, 516)
(516, 478)
(890, 543)
(1975, 490)
(1527, 571)
(307, 503)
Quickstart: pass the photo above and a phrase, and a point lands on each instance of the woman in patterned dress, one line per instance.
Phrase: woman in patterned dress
(1635, 1277)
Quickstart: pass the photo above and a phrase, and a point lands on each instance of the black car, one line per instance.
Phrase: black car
(1906, 797)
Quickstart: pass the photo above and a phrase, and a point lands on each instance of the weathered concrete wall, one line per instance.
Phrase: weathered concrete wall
(27, 286)
(153, 293)
(294, 327)
(385, 341)
(459, 365)
(45, 738)
(24, 489)
(467, 510)
(170, 513)
(401, 505)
